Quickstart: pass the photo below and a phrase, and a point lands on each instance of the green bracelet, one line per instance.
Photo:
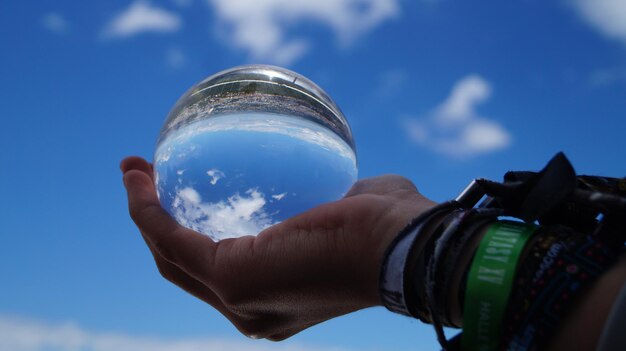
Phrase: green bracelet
(489, 283)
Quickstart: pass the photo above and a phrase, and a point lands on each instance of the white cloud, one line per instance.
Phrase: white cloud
(607, 16)
(454, 128)
(279, 196)
(141, 17)
(466, 94)
(55, 22)
(19, 334)
(215, 175)
(260, 27)
(234, 217)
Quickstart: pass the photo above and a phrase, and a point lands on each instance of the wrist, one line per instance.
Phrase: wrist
(379, 233)
(403, 263)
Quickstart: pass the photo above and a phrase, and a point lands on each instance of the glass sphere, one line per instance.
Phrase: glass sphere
(250, 147)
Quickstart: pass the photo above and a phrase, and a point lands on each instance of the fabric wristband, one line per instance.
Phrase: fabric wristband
(489, 283)
(394, 285)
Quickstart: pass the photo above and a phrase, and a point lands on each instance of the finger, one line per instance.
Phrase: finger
(183, 280)
(246, 325)
(198, 289)
(138, 163)
(187, 249)
(381, 185)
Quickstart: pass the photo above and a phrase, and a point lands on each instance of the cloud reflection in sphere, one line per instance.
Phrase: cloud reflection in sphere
(250, 147)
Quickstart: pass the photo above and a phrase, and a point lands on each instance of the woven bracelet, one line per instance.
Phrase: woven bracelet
(573, 261)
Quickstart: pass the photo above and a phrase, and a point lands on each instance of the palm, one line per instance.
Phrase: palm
(307, 269)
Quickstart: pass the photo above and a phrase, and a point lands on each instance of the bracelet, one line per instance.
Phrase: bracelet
(489, 283)
(434, 295)
(450, 247)
(418, 269)
(442, 253)
(563, 204)
(484, 220)
(542, 251)
(397, 294)
(572, 262)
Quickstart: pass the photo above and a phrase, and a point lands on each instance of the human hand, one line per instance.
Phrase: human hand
(307, 269)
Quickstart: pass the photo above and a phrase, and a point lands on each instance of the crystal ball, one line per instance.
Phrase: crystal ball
(249, 147)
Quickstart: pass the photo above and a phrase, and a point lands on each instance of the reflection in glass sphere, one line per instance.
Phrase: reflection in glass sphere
(249, 147)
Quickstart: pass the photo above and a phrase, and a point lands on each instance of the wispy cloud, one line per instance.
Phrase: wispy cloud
(454, 128)
(142, 17)
(55, 22)
(18, 334)
(260, 27)
(279, 196)
(215, 175)
(607, 16)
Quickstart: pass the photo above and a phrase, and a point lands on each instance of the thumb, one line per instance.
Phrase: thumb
(143, 202)
(189, 250)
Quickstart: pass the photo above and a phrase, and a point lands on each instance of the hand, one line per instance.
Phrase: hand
(307, 269)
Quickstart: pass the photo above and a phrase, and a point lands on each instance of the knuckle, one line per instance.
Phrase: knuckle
(249, 330)
(244, 325)
(278, 337)
(164, 272)
(163, 250)
(258, 327)
(400, 181)
(382, 184)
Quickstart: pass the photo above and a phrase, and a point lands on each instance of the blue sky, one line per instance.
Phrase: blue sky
(439, 91)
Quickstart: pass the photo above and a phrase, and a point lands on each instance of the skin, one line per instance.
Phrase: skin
(315, 266)
(310, 268)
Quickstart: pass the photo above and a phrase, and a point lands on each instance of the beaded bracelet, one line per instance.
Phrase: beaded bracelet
(542, 251)
(572, 262)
